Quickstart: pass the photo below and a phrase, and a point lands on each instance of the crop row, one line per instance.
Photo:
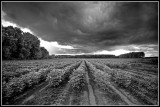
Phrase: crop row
(11, 71)
(139, 85)
(78, 78)
(101, 78)
(131, 64)
(6, 76)
(18, 85)
(137, 75)
(57, 76)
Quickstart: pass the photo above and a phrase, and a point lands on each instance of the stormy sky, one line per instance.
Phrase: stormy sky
(88, 27)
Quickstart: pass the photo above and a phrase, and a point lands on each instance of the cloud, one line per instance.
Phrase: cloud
(52, 47)
(148, 49)
(7, 23)
(55, 47)
(115, 52)
(88, 26)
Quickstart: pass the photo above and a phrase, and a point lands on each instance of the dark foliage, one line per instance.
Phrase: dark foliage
(82, 56)
(133, 55)
(128, 55)
(19, 45)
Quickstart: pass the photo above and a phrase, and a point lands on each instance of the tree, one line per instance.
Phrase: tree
(19, 45)
(133, 55)
(6, 52)
(45, 53)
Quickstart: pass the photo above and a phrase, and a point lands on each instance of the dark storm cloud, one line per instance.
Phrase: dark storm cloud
(51, 20)
(91, 25)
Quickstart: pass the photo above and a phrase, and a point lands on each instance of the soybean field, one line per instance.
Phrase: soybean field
(75, 81)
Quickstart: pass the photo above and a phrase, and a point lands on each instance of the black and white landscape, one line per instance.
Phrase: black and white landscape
(80, 53)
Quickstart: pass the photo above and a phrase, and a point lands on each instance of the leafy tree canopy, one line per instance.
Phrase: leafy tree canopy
(19, 45)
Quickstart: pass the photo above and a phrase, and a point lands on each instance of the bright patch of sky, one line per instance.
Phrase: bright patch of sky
(115, 52)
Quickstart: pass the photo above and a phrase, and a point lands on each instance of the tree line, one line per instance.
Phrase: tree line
(133, 55)
(17, 44)
(127, 55)
(82, 56)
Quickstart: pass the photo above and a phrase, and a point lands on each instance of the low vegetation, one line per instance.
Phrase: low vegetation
(80, 82)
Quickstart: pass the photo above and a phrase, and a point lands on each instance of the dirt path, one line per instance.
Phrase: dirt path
(47, 95)
(123, 97)
(102, 98)
(84, 98)
(91, 94)
(28, 94)
(36, 91)
(130, 96)
(27, 99)
(90, 89)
